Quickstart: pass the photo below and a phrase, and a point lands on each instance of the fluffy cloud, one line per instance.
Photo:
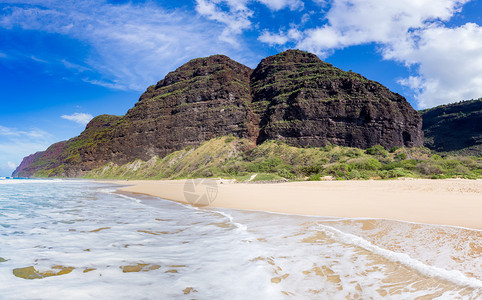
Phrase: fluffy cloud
(133, 45)
(449, 64)
(130, 46)
(235, 14)
(280, 4)
(280, 38)
(11, 165)
(236, 18)
(79, 118)
(273, 38)
(446, 62)
(353, 22)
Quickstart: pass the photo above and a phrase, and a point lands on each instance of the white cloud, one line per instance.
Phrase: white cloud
(449, 64)
(11, 165)
(79, 118)
(354, 22)
(34, 58)
(5, 131)
(322, 3)
(14, 132)
(446, 62)
(135, 45)
(130, 45)
(273, 38)
(16, 144)
(237, 16)
(236, 19)
(382, 21)
(280, 4)
(280, 38)
(73, 66)
(321, 40)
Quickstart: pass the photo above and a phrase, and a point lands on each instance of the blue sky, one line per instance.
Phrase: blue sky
(62, 62)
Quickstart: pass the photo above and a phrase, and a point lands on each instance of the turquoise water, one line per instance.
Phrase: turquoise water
(106, 245)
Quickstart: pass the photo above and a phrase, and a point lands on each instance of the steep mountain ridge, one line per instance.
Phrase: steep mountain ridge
(307, 102)
(293, 96)
(455, 127)
(203, 99)
(77, 155)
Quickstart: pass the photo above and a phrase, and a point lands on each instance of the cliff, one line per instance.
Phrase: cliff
(203, 99)
(293, 97)
(307, 102)
(455, 127)
(75, 156)
(26, 167)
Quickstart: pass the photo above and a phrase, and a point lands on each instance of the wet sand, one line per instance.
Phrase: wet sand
(456, 202)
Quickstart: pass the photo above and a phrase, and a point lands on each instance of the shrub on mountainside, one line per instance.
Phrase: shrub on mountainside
(377, 150)
(238, 159)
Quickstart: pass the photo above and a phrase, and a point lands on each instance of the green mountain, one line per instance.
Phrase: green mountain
(455, 128)
(292, 97)
(240, 159)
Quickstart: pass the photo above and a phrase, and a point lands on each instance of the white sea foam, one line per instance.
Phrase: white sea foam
(201, 253)
(242, 227)
(451, 275)
(302, 256)
(58, 230)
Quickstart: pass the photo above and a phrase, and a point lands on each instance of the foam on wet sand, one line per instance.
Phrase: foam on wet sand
(85, 240)
(455, 202)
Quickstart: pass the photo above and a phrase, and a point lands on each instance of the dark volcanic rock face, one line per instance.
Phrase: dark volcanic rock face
(203, 99)
(76, 156)
(25, 168)
(292, 96)
(454, 127)
(41, 161)
(305, 101)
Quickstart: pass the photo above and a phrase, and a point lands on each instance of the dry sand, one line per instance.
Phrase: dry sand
(455, 202)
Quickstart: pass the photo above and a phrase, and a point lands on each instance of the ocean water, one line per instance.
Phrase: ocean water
(74, 239)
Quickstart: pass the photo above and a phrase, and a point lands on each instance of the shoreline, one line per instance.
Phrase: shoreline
(451, 202)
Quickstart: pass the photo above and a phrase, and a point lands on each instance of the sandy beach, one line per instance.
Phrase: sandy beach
(77, 231)
(456, 202)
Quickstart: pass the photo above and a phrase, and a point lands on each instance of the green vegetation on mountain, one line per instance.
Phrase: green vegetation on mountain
(53, 161)
(454, 128)
(292, 97)
(214, 117)
(304, 101)
(230, 157)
